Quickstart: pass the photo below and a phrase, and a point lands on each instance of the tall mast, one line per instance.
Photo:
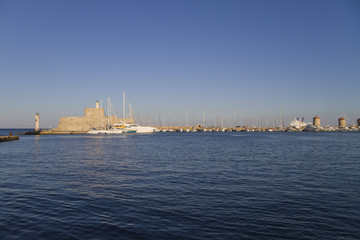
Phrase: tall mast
(281, 120)
(109, 112)
(131, 113)
(186, 122)
(235, 118)
(163, 117)
(203, 123)
(140, 119)
(124, 105)
(274, 125)
(159, 117)
(193, 117)
(229, 119)
(169, 116)
(222, 121)
(101, 114)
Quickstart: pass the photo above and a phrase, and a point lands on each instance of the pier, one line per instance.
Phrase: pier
(225, 129)
(8, 138)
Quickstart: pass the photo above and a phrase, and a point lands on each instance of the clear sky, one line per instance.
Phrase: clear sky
(226, 58)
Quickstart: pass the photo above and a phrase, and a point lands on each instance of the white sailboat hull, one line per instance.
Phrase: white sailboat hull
(110, 131)
(142, 129)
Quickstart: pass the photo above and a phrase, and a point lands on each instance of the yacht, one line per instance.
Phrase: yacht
(134, 127)
(107, 131)
(311, 128)
(297, 123)
(97, 131)
(112, 130)
(116, 129)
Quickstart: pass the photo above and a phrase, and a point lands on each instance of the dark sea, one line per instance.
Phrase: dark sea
(232, 185)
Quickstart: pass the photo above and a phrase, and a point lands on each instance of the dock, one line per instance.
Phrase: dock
(8, 138)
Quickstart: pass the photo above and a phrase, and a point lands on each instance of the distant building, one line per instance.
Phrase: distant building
(358, 122)
(316, 121)
(342, 122)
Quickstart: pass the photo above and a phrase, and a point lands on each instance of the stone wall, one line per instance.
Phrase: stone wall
(73, 124)
(94, 118)
(94, 113)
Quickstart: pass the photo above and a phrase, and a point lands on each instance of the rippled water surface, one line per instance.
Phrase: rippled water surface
(181, 186)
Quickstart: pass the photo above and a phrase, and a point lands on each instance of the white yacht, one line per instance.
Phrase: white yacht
(311, 128)
(111, 130)
(296, 123)
(107, 131)
(97, 131)
(116, 129)
(136, 128)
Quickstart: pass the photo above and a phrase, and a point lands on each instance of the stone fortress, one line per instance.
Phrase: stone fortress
(93, 118)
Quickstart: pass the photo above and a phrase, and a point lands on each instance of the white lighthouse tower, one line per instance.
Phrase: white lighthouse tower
(37, 122)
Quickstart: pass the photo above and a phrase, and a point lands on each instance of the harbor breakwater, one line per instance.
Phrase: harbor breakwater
(217, 129)
(10, 137)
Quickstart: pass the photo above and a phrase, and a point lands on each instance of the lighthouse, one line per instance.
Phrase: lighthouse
(37, 122)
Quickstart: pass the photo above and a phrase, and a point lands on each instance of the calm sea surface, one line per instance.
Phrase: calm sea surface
(181, 186)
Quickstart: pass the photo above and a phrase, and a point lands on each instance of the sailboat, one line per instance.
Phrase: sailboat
(133, 127)
(139, 129)
(98, 131)
(116, 129)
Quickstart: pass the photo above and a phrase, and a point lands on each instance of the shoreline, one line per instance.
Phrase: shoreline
(213, 129)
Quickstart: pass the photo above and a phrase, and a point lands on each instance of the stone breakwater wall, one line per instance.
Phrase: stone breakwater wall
(93, 118)
(8, 138)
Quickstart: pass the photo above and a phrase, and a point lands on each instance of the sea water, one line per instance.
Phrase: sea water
(181, 186)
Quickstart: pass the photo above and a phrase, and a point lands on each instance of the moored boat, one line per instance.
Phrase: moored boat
(134, 127)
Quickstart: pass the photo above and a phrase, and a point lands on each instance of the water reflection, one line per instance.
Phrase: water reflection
(204, 186)
(36, 151)
(94, 163)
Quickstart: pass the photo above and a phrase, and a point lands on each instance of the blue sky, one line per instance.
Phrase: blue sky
(229, 58)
